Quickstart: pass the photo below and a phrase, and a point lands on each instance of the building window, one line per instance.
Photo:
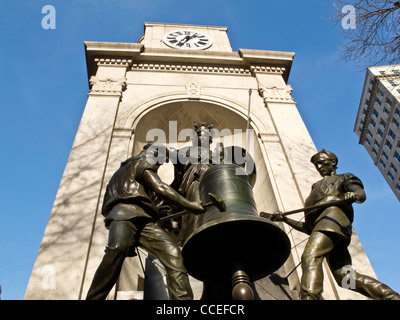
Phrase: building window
(397, 112)
(380, 132)
(377, 143)
(373, 123)
(398, 187)
(379, 101)
(383, 123)
(392, 83)
(374, 151)
(391, 176)
(396, 71)
(386, 110)
(376, 114)
(383, 164)
(370, 133)
(389, 102)
(385, 155)
(368, 141)
(388, 144)
(382, 72)
(397, 156)
(396, 123)
(393, 167)
(391, 133)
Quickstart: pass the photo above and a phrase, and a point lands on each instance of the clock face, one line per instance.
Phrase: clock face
(186, 39)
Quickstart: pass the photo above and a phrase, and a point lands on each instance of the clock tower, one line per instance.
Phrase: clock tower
(156, 88)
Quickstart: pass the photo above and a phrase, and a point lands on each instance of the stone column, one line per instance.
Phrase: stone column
(61, 263)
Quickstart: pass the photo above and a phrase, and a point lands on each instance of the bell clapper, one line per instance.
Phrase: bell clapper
(241, 289)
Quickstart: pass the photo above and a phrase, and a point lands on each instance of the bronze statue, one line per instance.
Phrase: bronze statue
(199, 161)
(218, 246)
(330, 229)
(131, 215)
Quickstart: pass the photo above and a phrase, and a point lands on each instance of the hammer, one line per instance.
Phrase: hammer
(316, 206)
(215, 201)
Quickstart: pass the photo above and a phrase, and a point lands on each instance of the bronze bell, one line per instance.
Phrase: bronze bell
(236, 243)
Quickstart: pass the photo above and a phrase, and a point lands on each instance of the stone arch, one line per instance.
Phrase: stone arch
(140, 111)
(225, 114)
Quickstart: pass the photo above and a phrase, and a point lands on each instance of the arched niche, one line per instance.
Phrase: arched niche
(173, 118)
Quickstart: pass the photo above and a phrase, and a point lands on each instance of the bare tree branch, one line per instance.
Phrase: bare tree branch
(376, 37)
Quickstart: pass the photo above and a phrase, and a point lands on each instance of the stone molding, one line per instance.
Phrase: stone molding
(113, 62)
(190, 68)
(107, 86)
(268, 70)
(276, 94)
(269, 137)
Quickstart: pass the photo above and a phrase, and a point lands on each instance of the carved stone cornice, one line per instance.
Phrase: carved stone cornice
(113, 62)
(268, 70)
(282, 61)
(196, 68)
(107, 86)
(275, 94)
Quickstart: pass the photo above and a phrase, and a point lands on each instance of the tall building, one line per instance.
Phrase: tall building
(378, 121)
(171, 77)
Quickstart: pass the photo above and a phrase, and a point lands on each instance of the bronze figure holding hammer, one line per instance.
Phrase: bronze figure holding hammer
(328, 221)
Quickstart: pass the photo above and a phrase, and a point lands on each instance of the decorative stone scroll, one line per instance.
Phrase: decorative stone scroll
(107, 85)
(276, 94)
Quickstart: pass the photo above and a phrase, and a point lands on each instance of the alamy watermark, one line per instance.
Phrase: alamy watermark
(49, 20)
(201, 144)
(349, 279)
(349, 20)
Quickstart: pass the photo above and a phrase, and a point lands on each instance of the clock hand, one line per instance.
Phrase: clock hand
(183, 41)
(186, 39)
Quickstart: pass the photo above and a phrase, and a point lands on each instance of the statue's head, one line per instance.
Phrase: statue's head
(325, 162)
(156, 153)
(203, 131)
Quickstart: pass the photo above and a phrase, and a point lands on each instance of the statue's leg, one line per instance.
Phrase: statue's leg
(374, 289)
(156, 241)
(120, 238)
(317, 247)
(347, 277)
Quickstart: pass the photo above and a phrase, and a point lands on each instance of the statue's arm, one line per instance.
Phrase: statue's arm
(162, 189)
(295, 224)
(355, 193)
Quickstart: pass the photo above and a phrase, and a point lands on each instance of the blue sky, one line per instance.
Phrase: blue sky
(44, 89)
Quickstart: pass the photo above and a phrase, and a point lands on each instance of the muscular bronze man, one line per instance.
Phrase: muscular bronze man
(330, 230)
(131, 215)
